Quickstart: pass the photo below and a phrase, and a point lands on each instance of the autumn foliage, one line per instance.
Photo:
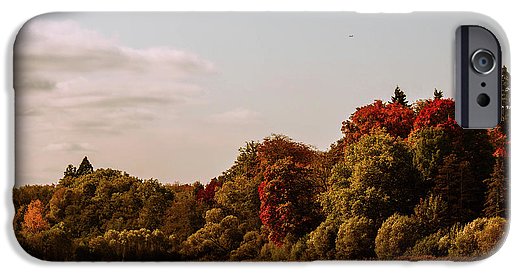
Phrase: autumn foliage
(395, 118)
(500, 142)
(207, 194)
(403, 182)
(285, 193)
(437, 113)
(287, 206)
(278, 147)
(33, 220)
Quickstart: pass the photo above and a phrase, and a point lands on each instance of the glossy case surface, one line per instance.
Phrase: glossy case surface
(252, 137)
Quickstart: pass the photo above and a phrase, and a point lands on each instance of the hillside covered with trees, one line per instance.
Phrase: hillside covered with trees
(403, 182)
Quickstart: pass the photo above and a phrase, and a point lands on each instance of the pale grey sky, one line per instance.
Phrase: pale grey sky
(173, 96)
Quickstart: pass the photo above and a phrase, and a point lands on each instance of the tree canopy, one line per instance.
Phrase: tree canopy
(404, 181)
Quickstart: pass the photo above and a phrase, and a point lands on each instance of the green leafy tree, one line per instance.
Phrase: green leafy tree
(215, 241)
(240, 197)
(343, 203)
(397, 234)
(430, 146)
(355, 239)
(132, 245)
(249, 248)
(24, 195)
(155, 199)
(51, 244)
(245, 165)
(376, 179)
(469, 145)
(321, 241)
(429, 247)
(298, 252)
(183, 218)
(431, 213)
(288, 250)
(478, 238)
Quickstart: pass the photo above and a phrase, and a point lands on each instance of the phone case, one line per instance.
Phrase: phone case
(267, 136)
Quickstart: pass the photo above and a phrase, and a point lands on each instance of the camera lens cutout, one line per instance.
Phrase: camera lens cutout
(483, 61)
(483, 100)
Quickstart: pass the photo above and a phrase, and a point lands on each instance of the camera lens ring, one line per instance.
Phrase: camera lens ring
(483, 100)
(479, 57)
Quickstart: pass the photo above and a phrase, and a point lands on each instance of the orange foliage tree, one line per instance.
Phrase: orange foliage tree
(33, 220)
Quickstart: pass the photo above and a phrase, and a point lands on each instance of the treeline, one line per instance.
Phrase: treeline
(404, 182)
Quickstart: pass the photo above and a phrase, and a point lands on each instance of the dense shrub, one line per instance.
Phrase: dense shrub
(478, 238)
(355, 239)
(396, 235)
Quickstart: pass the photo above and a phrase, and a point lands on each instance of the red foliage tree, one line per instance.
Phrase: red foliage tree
(207, 193)
(287, 204)
(277, 147)
(437, 112)
(499, 140)
(395, 118)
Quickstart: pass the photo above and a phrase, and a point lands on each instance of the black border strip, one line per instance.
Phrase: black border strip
(465, 63)
(500, 84)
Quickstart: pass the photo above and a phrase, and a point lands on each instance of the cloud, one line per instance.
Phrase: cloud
(237, 116)
(69, 147)
(67, 77)
(58, 45)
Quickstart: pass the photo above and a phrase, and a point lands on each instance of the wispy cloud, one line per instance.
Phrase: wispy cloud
(79, 93)
(68, 74)
(69, 147)
(237, 116)
(58, 45)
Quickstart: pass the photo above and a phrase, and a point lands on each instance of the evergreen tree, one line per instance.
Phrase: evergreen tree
(399, 97)
(462, 193)
(71, 171)
(495, 202)
(438, 94)
(84, 168)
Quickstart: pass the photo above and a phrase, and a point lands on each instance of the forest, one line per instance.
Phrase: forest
(404, 182)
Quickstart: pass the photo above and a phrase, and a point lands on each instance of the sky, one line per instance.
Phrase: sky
(173, 96)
